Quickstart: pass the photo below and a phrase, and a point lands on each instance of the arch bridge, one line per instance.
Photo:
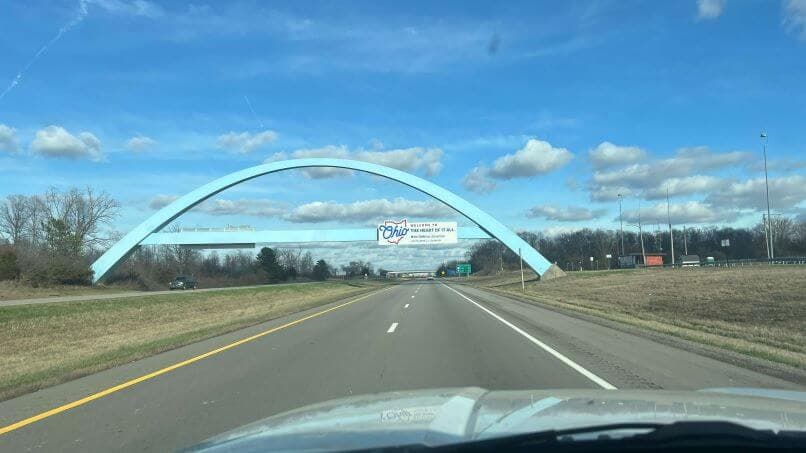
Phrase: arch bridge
(148, 232)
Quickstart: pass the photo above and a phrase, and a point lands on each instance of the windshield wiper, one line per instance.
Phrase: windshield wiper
(650, 435)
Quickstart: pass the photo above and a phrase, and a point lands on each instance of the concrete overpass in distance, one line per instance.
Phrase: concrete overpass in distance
(209, 238)
(410, 274)
(150, 232)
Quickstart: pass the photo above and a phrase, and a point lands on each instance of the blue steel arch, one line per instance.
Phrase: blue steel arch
(166, 215)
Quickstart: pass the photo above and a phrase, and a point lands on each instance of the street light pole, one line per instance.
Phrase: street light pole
(620, 223)
(770, 249)
(671, 233)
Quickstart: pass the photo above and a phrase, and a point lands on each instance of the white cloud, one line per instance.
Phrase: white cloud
(162, 200)
(415, 159)
(319, 211)
(332, 151)
(221, 207)
(609, 193)
(140, 143)
(688, 212)
(366, 210)
(8, 139)
(683, 186)
(795, 17)
(567, 214)
(245, 142)
(248, 207)
(785, 193)
(684, 163)
(537, 157)
(55, 141)
(710, 9)
(427, 160)
(477, 181)
(608, 154)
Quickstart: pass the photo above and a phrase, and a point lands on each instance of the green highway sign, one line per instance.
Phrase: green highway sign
(463, 269)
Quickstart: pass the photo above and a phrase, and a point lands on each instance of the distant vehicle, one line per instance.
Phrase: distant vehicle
(690, 260)
(430, 277)
(183, 282)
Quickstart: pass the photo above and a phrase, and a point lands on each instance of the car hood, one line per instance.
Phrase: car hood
(445, 416)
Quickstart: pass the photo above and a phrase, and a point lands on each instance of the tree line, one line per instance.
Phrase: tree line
(573, 250)
(53, 237)
(152, 266)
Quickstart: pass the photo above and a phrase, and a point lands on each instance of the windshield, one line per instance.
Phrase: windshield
(380, 216)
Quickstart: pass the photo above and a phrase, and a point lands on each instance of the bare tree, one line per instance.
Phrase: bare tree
(38, 215)
(784, 233)
(87, 212)
(14, 217)
(306, 264)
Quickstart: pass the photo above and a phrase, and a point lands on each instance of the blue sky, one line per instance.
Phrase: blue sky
(538, 112)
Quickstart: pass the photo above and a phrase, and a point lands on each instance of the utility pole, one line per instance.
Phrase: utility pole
(669, 217)
(770, 249)
(620, 223)
(766, 233)
(641, 233)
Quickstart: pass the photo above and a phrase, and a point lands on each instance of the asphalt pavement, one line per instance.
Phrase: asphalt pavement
(416, 335)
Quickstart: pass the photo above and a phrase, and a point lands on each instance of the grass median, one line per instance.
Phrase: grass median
(758, 310)
(46, 344)
(10, 290)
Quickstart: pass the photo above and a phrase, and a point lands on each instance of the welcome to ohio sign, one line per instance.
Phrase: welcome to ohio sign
(403, 232)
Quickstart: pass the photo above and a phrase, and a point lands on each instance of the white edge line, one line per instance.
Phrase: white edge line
(577, 367)
(392, 328)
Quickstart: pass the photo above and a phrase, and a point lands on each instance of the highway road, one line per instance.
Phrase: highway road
(410, 336)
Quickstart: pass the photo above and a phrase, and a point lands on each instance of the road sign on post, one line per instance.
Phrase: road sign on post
(463, 269)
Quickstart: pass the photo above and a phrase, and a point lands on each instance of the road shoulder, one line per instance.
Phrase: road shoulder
(746, 362)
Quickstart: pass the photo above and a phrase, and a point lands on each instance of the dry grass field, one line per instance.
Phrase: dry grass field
(758, 310)
(45, 344)
(12, 290)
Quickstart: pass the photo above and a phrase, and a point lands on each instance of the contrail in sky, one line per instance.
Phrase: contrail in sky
(253, 111)
(81, 14)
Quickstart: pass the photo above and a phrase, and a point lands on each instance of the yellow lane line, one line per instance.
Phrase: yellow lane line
(110, 390)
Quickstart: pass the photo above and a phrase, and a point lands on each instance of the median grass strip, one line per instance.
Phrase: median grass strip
(758, 310)
(46, 344)
(10, 290)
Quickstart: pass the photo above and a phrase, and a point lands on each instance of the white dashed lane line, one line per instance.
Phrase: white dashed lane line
(392, 328)
(406, 306)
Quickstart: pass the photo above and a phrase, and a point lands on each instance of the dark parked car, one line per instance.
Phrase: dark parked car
(183, 282)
